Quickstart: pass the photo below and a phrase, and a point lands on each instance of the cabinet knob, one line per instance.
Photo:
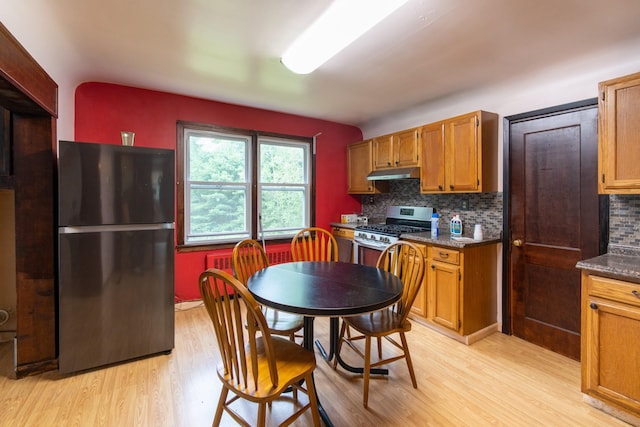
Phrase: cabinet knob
(593, 305)
(433, 267)
(451, 187)
(440, 187)
(517, 242)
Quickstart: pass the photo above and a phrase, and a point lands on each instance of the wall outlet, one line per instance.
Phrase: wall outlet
(370, 200)
(464, 204)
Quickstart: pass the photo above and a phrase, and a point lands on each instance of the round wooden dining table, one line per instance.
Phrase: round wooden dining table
(325, 289)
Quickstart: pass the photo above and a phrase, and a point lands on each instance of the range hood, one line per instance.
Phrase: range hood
(390, 174)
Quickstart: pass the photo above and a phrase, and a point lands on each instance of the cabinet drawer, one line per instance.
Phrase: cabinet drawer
(345, 233)
(613, 289)
(447, 255)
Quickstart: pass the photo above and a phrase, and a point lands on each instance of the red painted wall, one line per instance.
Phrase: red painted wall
(102, 110)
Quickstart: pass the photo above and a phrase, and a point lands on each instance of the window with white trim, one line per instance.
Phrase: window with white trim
(240, 184)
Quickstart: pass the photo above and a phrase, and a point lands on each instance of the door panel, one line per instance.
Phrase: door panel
(554, 212)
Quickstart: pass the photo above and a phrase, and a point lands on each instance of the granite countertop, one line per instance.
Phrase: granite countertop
(620, 262)
(444, 239)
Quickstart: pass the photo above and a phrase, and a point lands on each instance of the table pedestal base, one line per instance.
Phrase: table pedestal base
(333, 346)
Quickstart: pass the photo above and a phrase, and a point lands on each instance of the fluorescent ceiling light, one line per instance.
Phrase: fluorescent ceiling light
(342, 23)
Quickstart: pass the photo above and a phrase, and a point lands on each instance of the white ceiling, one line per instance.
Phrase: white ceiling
(228, 50)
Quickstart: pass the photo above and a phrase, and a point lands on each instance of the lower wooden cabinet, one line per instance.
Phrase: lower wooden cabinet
(445, 278)
(460, 293)
(344, 237)
(419, 306)
(611, 342)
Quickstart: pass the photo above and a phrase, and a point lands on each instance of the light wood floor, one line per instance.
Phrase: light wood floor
(500, 380)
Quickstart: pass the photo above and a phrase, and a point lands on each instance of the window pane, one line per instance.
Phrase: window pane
(282, 163)
(219, 158)
(217, 213)
(283, 209)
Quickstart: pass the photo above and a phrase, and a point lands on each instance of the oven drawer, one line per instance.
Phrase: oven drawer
(450, 256)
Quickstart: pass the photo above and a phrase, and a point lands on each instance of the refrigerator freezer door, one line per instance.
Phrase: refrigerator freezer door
(116, 296)
(102, 184)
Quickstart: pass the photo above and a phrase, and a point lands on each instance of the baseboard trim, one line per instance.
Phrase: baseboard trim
(464, 339)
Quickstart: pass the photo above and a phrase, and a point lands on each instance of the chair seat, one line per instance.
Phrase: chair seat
(282, 323)
(378, 323)
(293, 363)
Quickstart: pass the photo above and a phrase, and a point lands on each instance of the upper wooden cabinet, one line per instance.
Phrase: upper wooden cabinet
(432, 168)
(360, 164)
(398, 150)
(460, 155)
(619, 135)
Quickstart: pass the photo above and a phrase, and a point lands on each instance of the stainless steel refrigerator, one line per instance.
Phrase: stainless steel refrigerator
(115, 253)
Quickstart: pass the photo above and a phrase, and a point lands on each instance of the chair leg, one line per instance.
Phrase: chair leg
(221, 401)
(367, 371)
(407, 356)
(380, 348)
(313, 400)
(262, 414)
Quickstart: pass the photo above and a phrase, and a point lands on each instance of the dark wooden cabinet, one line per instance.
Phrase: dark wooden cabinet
(28, 97)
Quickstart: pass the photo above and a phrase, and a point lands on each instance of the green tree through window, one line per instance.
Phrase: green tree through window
(221, 201)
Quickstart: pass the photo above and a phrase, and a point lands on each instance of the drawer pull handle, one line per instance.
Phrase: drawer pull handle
(593, 305)
(636, 293)
(444, 255)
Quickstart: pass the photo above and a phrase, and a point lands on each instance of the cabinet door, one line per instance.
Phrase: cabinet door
(444, 295)
(461, 141)
(383, 152)
(406, 152)
(419, 306)
(432, 158)
(359, 166)
(611, 351)
(619, 150)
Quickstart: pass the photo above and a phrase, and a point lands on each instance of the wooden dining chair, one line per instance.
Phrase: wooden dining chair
(248, 257)
(407, 262)
(255, 365)
(314, 244)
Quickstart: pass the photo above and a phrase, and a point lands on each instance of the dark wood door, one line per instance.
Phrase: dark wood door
(553, 223)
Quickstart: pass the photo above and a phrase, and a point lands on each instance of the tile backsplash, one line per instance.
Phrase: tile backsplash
(486, 209)
(483, 208)
(624, 220)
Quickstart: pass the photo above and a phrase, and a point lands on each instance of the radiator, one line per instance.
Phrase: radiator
(222, 261)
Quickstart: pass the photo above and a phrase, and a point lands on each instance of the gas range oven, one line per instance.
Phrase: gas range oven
(370, 240)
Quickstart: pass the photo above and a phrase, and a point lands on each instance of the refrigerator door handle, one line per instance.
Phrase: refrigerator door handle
(118, 227)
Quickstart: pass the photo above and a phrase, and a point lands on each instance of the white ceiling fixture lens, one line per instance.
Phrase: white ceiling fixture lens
(342, 23)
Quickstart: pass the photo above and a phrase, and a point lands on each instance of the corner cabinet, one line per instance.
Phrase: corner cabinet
(460, 155)
(611, 342)
(618, 141)
(398, 150)
(359, 165)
